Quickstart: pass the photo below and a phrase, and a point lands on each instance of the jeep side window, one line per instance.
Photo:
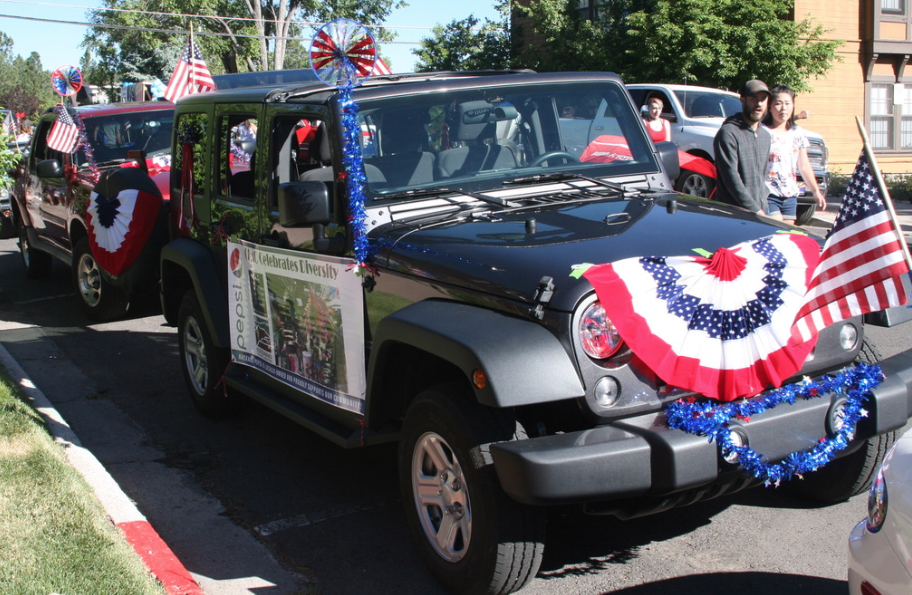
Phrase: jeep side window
(237, 151)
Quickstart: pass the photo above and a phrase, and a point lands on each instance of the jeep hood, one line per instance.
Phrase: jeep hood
(506, 253)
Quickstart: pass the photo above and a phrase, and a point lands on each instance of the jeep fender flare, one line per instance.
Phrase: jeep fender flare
(524, 362)
(188, 265)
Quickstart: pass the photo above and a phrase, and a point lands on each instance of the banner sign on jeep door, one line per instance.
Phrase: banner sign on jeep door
(299, 317)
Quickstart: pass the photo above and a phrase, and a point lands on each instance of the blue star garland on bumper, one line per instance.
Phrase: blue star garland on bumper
(711, 419)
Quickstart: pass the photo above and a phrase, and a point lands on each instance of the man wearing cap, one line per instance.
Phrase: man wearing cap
(742, 149)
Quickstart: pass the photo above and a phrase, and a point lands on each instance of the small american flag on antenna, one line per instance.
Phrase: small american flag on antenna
(64, 133)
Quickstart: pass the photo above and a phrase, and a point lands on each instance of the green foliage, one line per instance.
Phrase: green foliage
(717, 43)
(464, 45)
(24, 85)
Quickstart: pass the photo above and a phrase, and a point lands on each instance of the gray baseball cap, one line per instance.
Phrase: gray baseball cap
(754, 86)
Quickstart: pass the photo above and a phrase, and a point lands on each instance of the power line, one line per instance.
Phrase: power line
(174, 31)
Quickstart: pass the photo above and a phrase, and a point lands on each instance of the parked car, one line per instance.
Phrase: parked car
(697, 113)
(447, 315)
(880, 546)
(53, 190)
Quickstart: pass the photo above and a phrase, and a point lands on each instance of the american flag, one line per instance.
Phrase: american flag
(381, 68)
(9, 124)
(863, 267)
(64, 133)
(191, 75)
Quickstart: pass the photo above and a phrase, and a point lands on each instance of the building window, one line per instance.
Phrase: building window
(881, 125)
(893, 6)
(890, 116)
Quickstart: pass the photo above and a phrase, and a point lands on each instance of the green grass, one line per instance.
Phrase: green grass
(54, 535)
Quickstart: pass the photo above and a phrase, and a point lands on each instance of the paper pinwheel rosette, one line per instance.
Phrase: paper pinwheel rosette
(66, 80)
(343, 53)
(123, 212)
(720, 326)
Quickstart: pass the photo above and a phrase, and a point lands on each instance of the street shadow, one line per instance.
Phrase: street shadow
(744, 583)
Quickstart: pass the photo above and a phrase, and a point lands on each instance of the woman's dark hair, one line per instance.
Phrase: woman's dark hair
(778, 90)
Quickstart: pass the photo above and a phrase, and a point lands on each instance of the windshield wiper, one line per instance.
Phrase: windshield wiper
(423, 192)
(564, 175)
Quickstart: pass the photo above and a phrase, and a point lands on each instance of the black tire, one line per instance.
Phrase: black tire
(495, 545)
(853, 473)
(100, 300)
(805, 214)
(690, 182)
(37, 263)
(202, 363)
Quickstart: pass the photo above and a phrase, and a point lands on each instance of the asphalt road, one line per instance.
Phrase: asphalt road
(258, 505)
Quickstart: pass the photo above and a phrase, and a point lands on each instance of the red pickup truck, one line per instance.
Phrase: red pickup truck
(53, 195)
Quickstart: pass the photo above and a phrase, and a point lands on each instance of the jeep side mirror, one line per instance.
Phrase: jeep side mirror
(303, 203)
(49, 168)
(668, 153)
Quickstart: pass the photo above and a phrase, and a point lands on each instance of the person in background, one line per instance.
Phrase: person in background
(788, 157)
(742, 151)
(658, 127)
(25, 132)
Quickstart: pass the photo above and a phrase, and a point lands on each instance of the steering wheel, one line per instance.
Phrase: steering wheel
(553, 155)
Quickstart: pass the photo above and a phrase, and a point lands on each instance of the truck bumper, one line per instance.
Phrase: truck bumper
(642, 456)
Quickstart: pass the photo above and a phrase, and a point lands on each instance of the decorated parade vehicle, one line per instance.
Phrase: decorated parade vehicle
(65, 203)
(426, 259)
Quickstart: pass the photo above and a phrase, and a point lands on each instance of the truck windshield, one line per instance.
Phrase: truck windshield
(111, 137)
(708, 104)
(482, 138)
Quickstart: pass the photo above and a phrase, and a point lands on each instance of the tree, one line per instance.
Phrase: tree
(463, 45)
(233, 35)
(717, 43)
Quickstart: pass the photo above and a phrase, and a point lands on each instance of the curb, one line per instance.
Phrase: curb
(140, 534)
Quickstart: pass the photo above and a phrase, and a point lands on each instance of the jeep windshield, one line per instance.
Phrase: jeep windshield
(483, 139)
(112, 136)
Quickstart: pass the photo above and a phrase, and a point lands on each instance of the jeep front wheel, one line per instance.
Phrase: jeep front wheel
(37, 263)
(474, 538)
(100, 300)
(202, 362)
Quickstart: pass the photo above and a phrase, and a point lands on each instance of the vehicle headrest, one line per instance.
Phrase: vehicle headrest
(473, 117)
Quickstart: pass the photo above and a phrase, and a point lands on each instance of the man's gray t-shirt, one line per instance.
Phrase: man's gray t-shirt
(741, 157)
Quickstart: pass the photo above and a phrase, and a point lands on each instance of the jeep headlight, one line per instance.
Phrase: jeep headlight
(597, 334)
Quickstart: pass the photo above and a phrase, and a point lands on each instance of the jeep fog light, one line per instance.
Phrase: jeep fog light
(738, 438)
(607, 392)
(597, 334)
(848, 337)
(835, 418)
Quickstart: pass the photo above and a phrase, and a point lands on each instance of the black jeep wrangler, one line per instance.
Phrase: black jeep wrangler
(465, 336)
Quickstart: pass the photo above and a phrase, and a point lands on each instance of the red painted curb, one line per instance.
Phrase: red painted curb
(159, 558)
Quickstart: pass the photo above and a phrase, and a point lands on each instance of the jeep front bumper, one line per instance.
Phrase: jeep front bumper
(642, 456)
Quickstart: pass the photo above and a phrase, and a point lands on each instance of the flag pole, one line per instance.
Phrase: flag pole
(883, 191)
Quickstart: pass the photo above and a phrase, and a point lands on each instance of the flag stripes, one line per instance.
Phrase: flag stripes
(191, 75)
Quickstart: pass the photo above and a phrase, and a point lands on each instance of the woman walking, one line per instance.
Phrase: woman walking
(788, 157)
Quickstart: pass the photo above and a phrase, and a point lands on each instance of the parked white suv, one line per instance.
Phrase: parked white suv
(696, 114)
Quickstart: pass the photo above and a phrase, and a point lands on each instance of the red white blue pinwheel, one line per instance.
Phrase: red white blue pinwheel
(720, 326)
(342, 53)
(123, 211)
(66, 80)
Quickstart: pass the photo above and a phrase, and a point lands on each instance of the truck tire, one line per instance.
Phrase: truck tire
(474, 538)
(37, 263)
(100, 300)
(690, 182)
(805, 214)
(202, 363)
(852, 474)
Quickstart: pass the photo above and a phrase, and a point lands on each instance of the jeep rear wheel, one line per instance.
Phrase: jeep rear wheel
(100, 300)
(853, 473)
(37, 263)
(202, 363)
(690, 182)
(805, 214)
(474, 538)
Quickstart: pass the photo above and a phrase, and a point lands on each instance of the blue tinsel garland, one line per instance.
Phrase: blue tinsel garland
(711, 419)
(354, 171)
